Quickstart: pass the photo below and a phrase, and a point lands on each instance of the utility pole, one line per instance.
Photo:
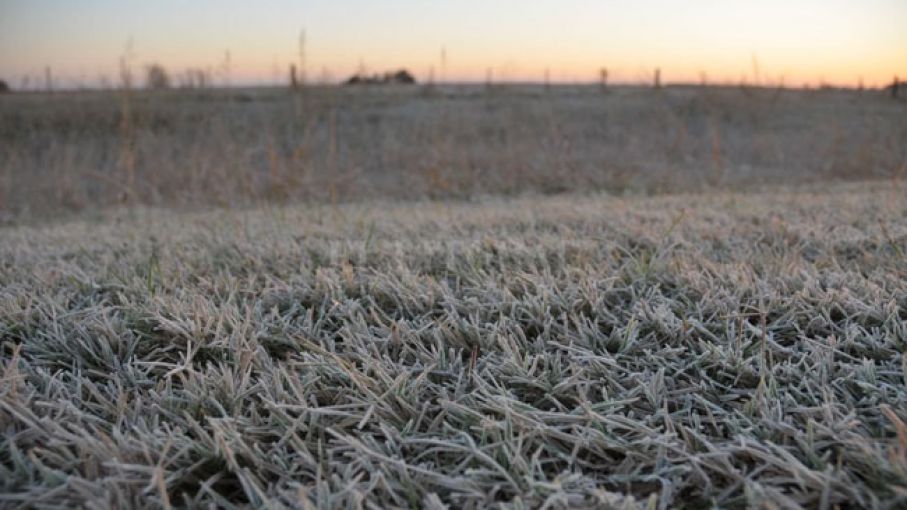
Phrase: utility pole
(226, 68)
(297, 80)
(757, 75)
(302, 59)
(294, 82)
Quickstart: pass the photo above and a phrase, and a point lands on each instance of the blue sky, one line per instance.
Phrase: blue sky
(802, 41)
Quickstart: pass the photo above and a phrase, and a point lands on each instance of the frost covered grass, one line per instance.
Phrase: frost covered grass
(736, 350)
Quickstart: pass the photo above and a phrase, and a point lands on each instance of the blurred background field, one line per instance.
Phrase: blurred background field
(74, 151)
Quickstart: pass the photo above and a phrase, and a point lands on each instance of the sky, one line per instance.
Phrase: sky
(798, 42)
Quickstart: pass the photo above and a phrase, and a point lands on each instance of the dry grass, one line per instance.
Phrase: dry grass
(735, 350)
(79, 151)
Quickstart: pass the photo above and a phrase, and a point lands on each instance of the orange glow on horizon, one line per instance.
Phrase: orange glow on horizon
(809, 42)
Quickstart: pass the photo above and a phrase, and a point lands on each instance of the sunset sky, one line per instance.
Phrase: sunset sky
(801, 41)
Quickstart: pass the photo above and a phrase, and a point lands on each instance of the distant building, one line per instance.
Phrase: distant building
(401, 77)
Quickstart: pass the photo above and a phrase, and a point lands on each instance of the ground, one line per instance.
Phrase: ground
(735, 349)
(81, 151)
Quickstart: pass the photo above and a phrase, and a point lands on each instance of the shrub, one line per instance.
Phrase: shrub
(156, 77)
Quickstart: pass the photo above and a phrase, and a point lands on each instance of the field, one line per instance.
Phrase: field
(467, 298)
(237, 148)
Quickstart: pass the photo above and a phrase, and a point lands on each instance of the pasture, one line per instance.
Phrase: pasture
(454, 297)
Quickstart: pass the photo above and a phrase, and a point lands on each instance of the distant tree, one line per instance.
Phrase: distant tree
(4, 87)
(401, 77)
(404, 77)
(195, 78)
(156, 77)
(354, 80)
